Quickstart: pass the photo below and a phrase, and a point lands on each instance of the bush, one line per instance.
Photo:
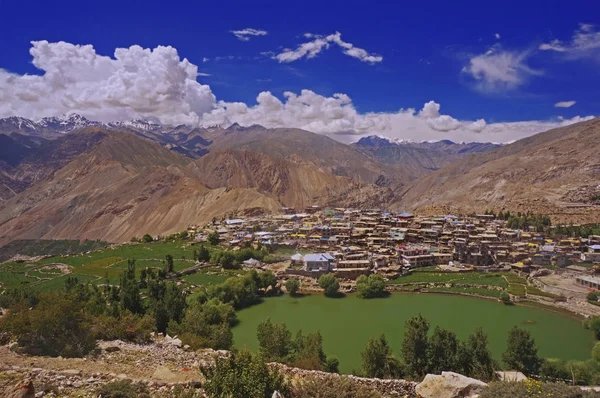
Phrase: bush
(206, 325)
(292, 285)
(371, 286)
(330, 285)
(332, 387)
(213, 238)
(123, 389)
(594, 325)
(533, 388)
(127, 327)
(57, 326)
(147, 238)
(243, 374)
(505, 298)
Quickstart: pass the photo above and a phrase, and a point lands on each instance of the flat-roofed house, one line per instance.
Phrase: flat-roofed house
(318, 262)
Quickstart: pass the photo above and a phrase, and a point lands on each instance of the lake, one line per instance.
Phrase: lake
(347, 323)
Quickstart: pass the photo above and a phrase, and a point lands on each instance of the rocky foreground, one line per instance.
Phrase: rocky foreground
(164, 367)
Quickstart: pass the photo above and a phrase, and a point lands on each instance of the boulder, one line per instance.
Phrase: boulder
(449, 385)
(276, 394)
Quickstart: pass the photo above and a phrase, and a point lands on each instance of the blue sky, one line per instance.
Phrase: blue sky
(502, 62)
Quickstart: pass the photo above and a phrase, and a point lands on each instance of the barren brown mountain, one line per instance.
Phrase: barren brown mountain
(115, 184)
(556, 172)
(124, 187)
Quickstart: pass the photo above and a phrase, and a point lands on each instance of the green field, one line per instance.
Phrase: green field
(467, 278)
(96, 266)
(211, 276)
(346, 324)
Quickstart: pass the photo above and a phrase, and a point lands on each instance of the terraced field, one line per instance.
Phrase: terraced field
(479, 283)
(96, 266)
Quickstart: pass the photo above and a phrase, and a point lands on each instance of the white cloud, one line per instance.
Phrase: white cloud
(564, 104)
(477, 126)
(246, 34)
(136, 83)
(585, 43)
(312, 48)
(499, 70)
(497, 36)
(158, 85)
(336, 116)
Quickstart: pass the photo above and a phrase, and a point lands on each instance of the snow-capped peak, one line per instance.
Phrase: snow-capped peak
(138, 124)
(66, 123)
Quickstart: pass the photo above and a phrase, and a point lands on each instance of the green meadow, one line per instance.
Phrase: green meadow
(98, 265)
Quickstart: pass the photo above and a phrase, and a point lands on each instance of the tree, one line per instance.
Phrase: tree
(378, 361)
(206, 325)
(203, 254)
(292, 285)
(521, 353)
(414, 346)
(330, 285)
(147, 238)
(505, 297)
(130, 290)
(442, 352)
(213, 238)
(371, 286)
(594, 325)
(596, 352)
(169, 264)
(274, 341)
(70, 283)
(482, 364)
(57, 326)
(266, 279)
(554, 370)
(242, 374)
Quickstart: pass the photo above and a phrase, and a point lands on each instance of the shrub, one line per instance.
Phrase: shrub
(123, 389)
(594, 325)
(505, 298)
(330, 285)
(126, 327)
(206, 325)
(242, 374)
(213, 238)
(57, 326)
(147, 238)
(533, 388)
(292, 285)
(332, 387)
(370, 286)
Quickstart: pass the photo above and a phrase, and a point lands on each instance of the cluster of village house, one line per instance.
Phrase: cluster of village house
(357, 242)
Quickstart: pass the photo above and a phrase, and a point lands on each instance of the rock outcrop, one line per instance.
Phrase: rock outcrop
(449, 385)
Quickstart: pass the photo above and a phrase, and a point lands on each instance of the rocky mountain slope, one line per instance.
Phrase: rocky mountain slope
(97, 183)
(542, 173)
(123, 187)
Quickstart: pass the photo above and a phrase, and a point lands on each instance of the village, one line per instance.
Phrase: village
(350, 243)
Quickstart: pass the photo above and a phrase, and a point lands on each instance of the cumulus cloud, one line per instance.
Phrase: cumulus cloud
(585, 43)
(246, 34)
(499, 70)
(497, 36)
(156, 84)
(319, 43)
(135, 83)
(337, 117)
(564, 104)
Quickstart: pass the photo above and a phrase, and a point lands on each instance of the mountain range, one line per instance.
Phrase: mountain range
(75, 178)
